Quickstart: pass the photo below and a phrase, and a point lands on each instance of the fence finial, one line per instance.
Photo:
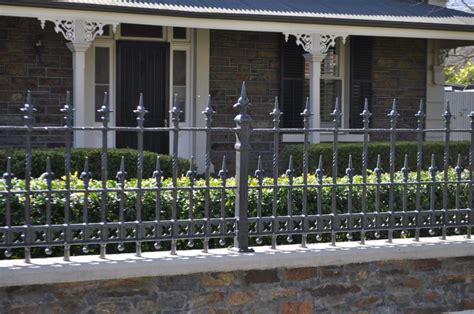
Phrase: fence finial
(28, 109)
(290, 172)
(191, 173)
(336, 114)
(320, 170)
(350, 168)
(121, 174)
(223, 172)
(259, 173)
(276, 113)
(405, 170)
(447, 114)
(140, 111)
(105, 110)
(458, 167)
(243, 102)
(433, 169)
(378, 168)
(157, 173)
(393, 114)
(420, 115)
(366, 114)
(175, 111)
(85, 174)
(68, 111)
(209, 112)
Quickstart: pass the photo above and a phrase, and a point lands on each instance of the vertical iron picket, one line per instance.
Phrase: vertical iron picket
(259, 174)
(447, 124)
(223, 176)
(68, 125)
(105, 117)
(366, 114)
(175, 114)
(86, 177)
(393, 116)
(290, 173)
(48, 178)
(433, 171)
(28, 111)
(121, 176)
(276, 114)
(350, 176)
(306, 121)
(336, 114)
(420, 116)
(157, 174)
(140, 112)
(7, 181)
(208, 112)
(319, 177)
(242, 148)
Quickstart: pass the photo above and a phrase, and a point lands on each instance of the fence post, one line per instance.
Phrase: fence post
(242, 147)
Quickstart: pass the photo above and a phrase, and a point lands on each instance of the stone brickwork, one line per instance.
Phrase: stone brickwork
(398, 71)
(410, 286)
(48, 76)
(243, 56)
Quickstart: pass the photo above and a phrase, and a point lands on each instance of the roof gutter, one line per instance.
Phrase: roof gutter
(245, 17)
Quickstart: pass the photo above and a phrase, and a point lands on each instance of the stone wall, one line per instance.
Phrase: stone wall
(253, 57)
(48, 77)
(410, 286)
(398, 71)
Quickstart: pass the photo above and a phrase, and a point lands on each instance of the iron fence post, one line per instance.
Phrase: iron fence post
(242, 147)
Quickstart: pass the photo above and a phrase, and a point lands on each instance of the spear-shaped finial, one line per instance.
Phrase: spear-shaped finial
(350, 168)
(121, 174)
(191, 173)
(175, 111)
(157, 173)
(405, 170)
(28, 110)
(209, 112)
(105, 110)
(320, 170)
(68, 111)
(433, 169)
(85, 174)
(47, 175)
(458, 167)
(306, 113)
(8, 175)
(290, 172)
(223, 172)
(447, 114)
(276, 113)
(378, 167)
(336, 114)
(366, 114)
(243, 102)
(140, 111)
(393, 114)
(259, 173)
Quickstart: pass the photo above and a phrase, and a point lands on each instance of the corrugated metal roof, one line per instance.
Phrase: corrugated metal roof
(409, 11)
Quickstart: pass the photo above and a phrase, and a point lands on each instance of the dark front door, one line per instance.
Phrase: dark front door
(142, 67)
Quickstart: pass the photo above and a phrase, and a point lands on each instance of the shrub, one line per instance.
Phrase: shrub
(78, 155)
(375, 148)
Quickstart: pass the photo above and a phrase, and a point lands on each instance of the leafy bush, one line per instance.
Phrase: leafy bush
(78, 156)
(375, 148)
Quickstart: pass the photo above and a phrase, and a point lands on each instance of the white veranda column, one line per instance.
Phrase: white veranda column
(316, 45)
(78, 88)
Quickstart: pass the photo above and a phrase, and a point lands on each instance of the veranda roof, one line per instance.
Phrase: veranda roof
(399, 13)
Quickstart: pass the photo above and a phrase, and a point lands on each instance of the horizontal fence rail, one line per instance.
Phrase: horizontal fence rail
(71, 214)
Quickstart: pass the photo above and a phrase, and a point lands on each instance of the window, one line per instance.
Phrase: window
(180, 33)
(102, 77)
(180, 78)
(135, 30)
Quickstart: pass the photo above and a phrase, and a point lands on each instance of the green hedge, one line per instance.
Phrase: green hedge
(78, 155)
(375, 148)
(39, 200)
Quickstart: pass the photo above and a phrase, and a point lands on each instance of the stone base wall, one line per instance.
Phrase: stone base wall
(409, 286)
(48, 75)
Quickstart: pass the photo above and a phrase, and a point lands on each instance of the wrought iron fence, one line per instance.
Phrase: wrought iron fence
(180, 211)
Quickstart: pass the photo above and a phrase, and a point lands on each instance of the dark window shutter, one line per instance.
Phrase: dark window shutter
(292, 83)
(361, 77)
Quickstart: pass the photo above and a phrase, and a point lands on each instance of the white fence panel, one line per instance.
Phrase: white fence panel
(462, 103)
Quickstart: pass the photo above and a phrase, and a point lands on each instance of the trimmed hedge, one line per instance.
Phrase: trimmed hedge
(375, 148)
(39, 201)
(78, 156)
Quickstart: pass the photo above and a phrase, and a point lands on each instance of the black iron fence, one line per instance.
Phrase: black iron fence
(150, 211)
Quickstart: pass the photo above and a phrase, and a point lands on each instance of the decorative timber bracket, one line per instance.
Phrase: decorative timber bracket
(78, 30)
(309, 42)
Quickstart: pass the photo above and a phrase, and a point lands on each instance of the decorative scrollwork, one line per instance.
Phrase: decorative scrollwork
(92, 30)
(65, 27)
(306, 41)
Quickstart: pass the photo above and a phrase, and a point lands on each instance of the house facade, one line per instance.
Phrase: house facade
(323, 50)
